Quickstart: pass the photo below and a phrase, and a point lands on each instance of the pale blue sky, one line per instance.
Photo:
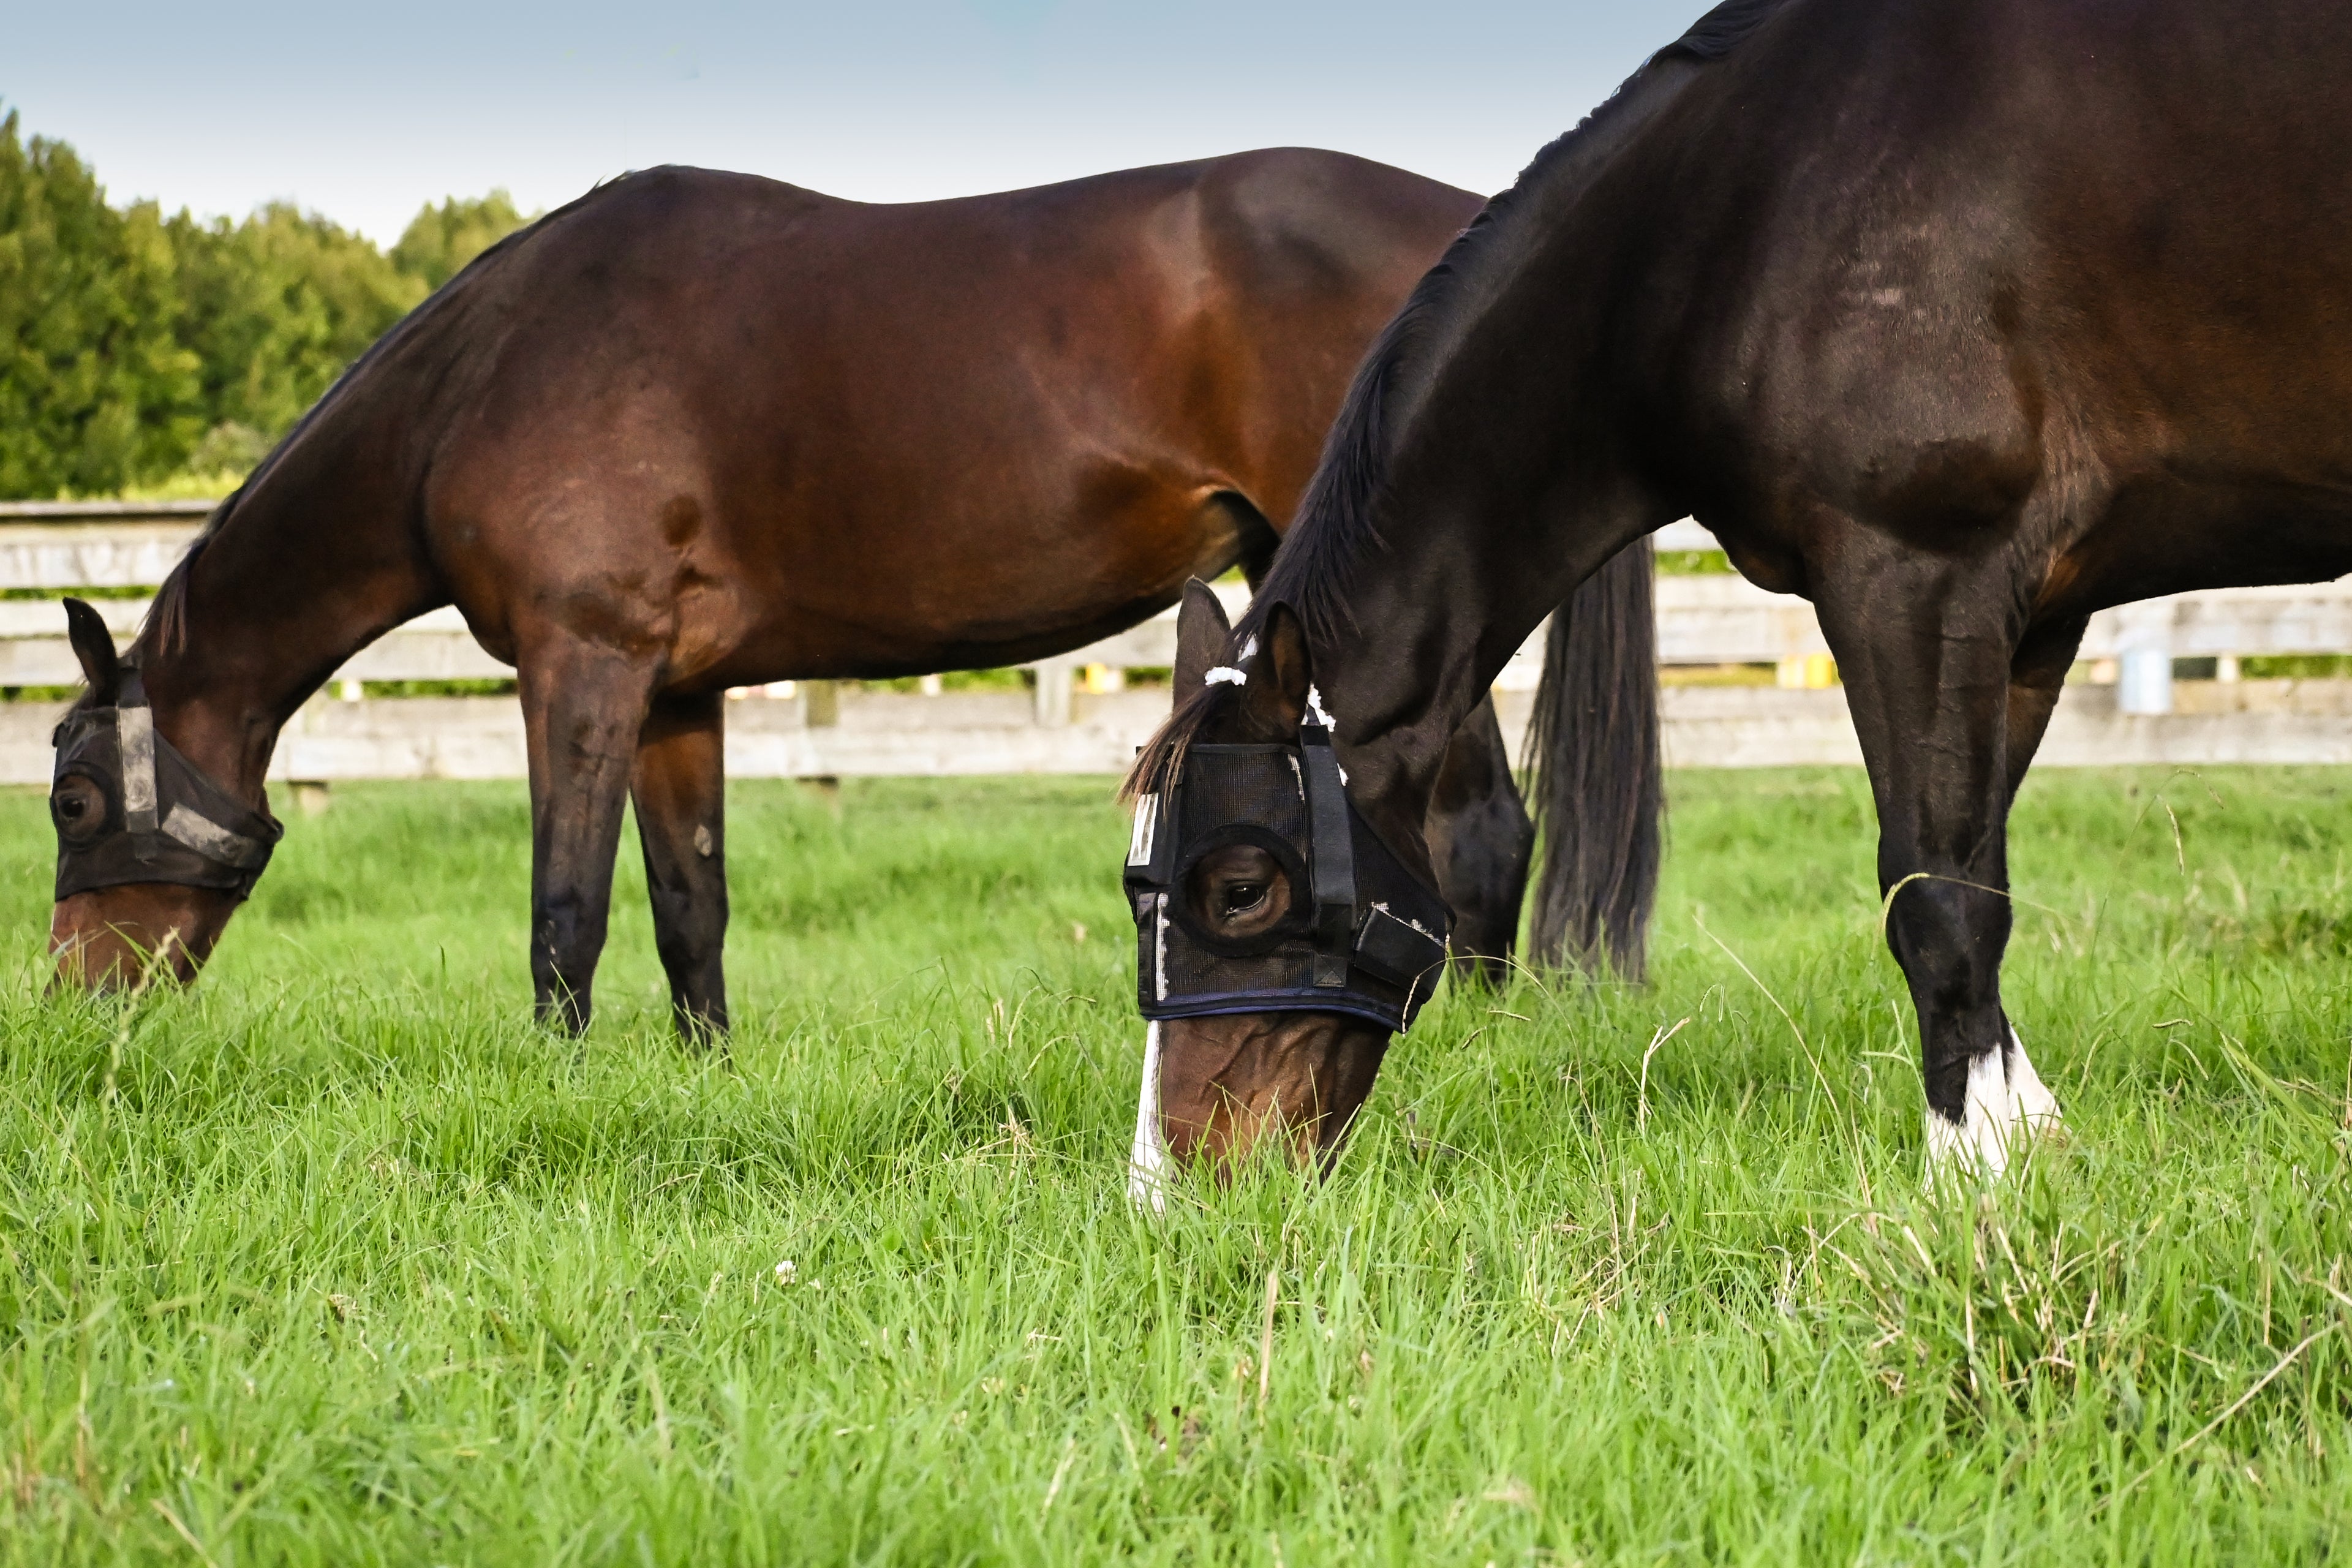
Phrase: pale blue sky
(363, 112)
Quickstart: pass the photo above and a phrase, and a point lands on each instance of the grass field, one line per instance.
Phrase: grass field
(335, 1260)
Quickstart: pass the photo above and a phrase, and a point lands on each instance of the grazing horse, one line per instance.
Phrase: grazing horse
(698, 430)
(1963, 319)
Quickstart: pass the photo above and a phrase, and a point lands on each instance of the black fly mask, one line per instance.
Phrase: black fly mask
(163, 820)
(1344, 927)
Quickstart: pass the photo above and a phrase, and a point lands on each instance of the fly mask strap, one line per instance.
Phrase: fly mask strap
(1333, 846)
(214, 842)
(134, 731)
(134, 734)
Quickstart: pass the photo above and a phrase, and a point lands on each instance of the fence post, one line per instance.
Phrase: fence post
(822, 700)
(1054, 691)
(2144, 649)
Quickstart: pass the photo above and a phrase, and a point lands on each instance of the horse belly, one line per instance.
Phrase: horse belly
(889, 595)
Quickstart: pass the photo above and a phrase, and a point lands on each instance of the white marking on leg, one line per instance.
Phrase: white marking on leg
(1978, 1143)
(2006, 1104)
(2037, 1108)
(1146, 1162)
(1946, 1145)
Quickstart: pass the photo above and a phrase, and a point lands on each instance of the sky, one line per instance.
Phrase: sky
(364, 113)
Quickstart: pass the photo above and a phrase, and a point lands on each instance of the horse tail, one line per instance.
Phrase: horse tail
(1594, 786)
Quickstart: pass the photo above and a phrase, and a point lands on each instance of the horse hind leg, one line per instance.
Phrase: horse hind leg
(680, 788)
(2037, 678)
(584, 708)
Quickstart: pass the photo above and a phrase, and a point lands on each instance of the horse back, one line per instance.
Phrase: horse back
(1006, 421)
(2048, 274)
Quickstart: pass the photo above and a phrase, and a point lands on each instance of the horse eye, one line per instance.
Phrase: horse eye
(81, 813)
(1242, 896)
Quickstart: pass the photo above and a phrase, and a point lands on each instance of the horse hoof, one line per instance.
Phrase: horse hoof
(2008, 1106)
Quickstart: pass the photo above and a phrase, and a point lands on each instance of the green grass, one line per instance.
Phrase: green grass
(335, 1260)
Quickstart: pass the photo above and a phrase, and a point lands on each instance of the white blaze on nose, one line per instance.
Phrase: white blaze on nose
(2006, 1104)
(1147, 1161)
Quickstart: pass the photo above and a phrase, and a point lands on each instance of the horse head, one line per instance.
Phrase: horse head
(1280, 942)
(153, 853)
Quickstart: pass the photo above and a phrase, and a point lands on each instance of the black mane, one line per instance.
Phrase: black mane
(1335, 525)
(1721, 30)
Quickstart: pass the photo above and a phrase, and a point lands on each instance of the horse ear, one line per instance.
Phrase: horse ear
(1202, 633)
(1275, 700)
(93, 645)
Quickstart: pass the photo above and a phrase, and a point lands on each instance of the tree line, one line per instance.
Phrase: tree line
(135, 347)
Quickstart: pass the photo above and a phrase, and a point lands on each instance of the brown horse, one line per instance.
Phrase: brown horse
(698, 430)
(1964, 319)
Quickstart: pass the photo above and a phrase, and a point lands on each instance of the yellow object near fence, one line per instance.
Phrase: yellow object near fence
(1807, 672)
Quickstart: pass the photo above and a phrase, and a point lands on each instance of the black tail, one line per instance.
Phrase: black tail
(1592, 759)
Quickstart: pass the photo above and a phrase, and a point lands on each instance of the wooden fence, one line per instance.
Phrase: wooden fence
(1079, 717)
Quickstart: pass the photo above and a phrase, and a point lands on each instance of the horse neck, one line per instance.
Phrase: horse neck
(1469, 570)
(1507, 482)
(1505, 478)
(313, 562)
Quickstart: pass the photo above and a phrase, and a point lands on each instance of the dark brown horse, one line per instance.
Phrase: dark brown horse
(698, 430)
(1964, 319)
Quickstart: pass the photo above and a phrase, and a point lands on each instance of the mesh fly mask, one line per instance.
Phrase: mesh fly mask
(165, 820)
(1360, 935)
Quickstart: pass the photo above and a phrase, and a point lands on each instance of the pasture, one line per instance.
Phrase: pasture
(337, 1260)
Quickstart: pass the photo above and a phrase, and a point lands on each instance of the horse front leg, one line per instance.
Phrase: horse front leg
(1480, 841)
(2037, 678)
(1930, 686)
(584, 706)
(679, 787)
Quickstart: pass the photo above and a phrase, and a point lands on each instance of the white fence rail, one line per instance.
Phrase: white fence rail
(94, 544)
(1073, 724)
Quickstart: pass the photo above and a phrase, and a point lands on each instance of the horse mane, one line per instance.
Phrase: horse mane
(1159, 761)
(167, 618)
(1721, 30)
(1336, 525)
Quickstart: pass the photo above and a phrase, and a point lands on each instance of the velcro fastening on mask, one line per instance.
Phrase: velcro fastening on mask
(208, 839)
(134, 734)
(1397, 950)
(1151, 847)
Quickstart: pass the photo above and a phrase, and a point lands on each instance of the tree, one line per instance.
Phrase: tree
(96, 389)
(131, 345)
(441, 239)
(276, 307)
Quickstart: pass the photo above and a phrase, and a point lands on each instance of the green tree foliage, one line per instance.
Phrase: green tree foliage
(96, 387)
(441, 239)
(274, 307)
(133, 347)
